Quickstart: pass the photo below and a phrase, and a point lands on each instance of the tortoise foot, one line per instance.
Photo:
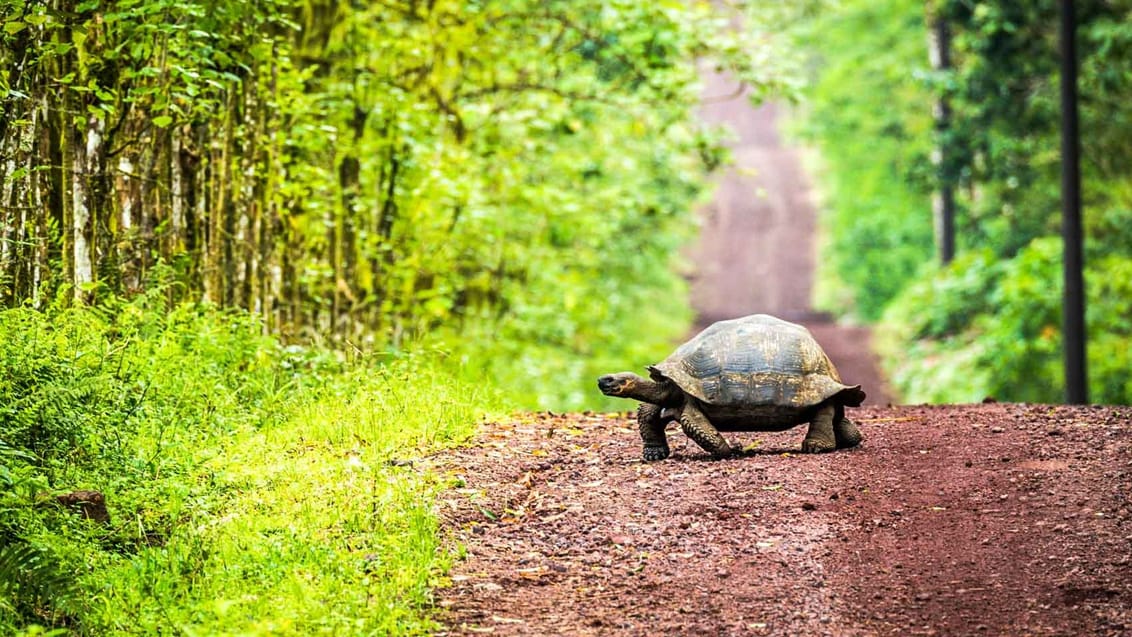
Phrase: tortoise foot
(654, 453)
(817, 445)
(731, 451)
(847, 434)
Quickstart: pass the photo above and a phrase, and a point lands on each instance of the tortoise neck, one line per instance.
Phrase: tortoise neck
(664, 393)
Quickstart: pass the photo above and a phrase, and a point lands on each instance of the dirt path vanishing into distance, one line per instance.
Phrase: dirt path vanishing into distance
(994, 519)
(756, 250)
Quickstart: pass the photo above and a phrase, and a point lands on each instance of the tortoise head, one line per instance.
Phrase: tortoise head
(658, 390)
(621, 385)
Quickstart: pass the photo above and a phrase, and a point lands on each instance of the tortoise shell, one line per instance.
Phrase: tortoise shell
(757, 361)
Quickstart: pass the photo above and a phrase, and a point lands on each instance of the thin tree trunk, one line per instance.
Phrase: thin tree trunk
(176, 194)
(58, 204)
(83, 153)
(349, 177)
(943, 199)
(129, 240)
(8, 240)
(216, 210)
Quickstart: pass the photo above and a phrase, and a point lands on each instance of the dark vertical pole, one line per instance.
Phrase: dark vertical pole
(943, 203)
(1073, 308)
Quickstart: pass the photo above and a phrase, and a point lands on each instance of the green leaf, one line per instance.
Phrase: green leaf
(14, 27)
(162, 121)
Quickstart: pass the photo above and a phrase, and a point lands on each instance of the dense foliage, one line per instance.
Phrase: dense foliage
(369, 171)
(873, 126)
(989, 323)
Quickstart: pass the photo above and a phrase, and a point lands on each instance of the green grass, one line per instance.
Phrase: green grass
(319, 531)
(254, 489)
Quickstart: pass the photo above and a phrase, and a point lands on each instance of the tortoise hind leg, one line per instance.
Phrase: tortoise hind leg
(846, 433)
(699, 429)
(651, 427)
(821, 436)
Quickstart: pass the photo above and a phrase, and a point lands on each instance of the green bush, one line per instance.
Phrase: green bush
(982, 327)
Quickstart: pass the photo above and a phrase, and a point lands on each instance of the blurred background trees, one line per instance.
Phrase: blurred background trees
(254, 254)
(989, 323)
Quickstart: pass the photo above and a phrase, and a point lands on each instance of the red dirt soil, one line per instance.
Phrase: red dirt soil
(996, 519)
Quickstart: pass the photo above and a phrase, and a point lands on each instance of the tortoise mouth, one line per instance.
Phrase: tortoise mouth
(609, 385)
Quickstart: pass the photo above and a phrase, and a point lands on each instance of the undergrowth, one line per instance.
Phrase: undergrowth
(983, 327)
(253, 488)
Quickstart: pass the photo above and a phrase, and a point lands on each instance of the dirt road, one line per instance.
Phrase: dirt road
(974, 520)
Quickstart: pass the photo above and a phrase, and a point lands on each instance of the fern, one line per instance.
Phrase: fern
(33, 587)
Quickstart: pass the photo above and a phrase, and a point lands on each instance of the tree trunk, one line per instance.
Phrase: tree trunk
(176, 195)
(84, 149)
(349, 178)
(943, 199)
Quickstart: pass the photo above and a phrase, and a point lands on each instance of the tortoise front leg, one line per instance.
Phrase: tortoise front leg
(699, 428)
(651, 426)
(820, 437)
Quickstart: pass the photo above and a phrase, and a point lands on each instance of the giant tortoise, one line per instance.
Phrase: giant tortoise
(756, 373)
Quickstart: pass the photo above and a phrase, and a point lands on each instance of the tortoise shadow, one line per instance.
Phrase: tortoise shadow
(763, 452)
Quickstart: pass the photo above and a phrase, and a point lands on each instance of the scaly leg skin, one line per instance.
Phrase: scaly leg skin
(821, 438)
(700, 430)
(846, 433)
(651, 426)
